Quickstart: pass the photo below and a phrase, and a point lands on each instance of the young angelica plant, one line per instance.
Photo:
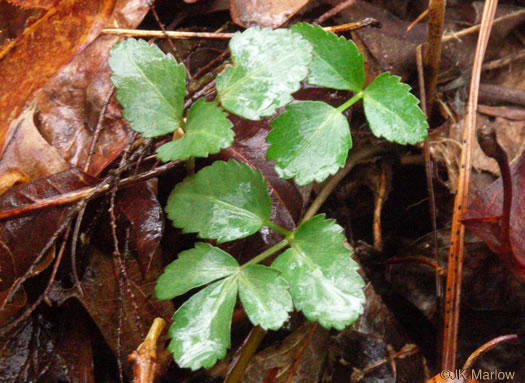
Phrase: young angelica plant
(227, 201)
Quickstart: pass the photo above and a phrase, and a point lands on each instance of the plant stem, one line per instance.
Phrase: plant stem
(244, 355)
(277, 228)
(353, 159)
(269, 252)
(358, 96)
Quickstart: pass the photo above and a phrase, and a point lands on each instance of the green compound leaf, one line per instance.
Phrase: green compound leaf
(269, 66)
(150, 86)
(393, 112)
(223, 201)
(324, 281)
(336, 63)
(195, 267)
(200, 333)
(207, 131)
(309, 141)
(265, 297)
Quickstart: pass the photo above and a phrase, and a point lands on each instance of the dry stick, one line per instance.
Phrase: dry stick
(11, 326)
(117, 261)
(223, 36)
(247, 350)
(80, 216)
(475, 28)
(417, 20)
(455, 257)
(432, 50)
(163, 29)
(487, 347)
(334, 11)
(379, 202)
(428, 70)
(84, 193)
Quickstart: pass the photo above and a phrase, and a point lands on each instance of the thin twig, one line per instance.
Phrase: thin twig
(487, 347)
(455, 258)
(98, 128)
(163, 29)
(432, 49)
(87, 193)
(27, 313)
(467, 31)
(221, 36)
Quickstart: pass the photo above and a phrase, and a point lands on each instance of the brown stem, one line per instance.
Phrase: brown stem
(432, 49)
(487, 347)
(455, 258)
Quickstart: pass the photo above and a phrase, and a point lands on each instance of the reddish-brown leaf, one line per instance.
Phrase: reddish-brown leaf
(25, 63)
(102, 296)
(250, 147)
(25, 353)
(23, 238)
(141, 208)
(489, 204)
(70, 104)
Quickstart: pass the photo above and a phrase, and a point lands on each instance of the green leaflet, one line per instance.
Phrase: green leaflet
(309, 141)
(269, 66)
(194, 268)
(207, 131)
(264, 296)
(150, 86)
(324, 281)
(224, 201)
(336, 63)
(200, 333)
(393, 112)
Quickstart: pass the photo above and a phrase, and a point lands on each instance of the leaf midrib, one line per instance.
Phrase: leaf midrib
(245, 78)
(218, 201)
(154, 87)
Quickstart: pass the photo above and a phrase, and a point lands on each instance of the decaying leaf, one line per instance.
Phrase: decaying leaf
(273, 13)
(24, 63)
(140, 206)
(489, 204)
(17, 254)
(102, 296)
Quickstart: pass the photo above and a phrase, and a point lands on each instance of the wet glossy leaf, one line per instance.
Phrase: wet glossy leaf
(264, 295)
(309, 141)
(224, 201)
(336, 63)
(17, 253)
(139, 204)
(393, 112)
(269, 66)
(200, 333)
(324, 281)
(207, 131)
(195, 267)
(150, 86)
(25, 64)
(250, 147)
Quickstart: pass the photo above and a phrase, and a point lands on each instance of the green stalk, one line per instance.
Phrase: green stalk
(277, 228)
(269, 252)
(358, 96)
